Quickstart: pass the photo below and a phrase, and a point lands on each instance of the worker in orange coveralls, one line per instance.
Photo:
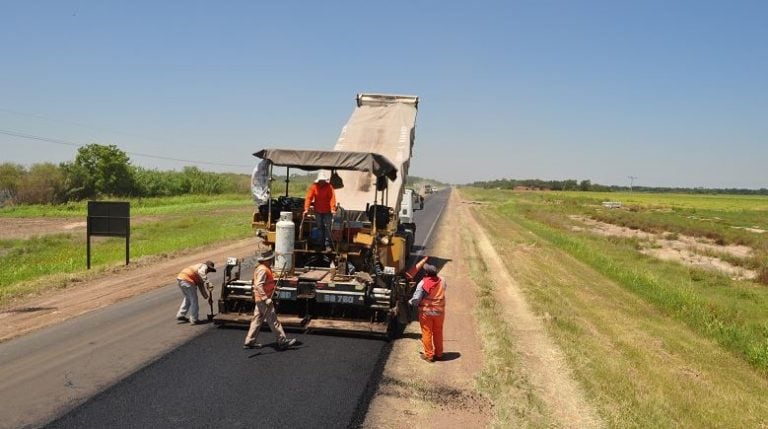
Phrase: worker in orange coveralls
(430, 298)
(189, 280)
(263, 288)
(321, 192)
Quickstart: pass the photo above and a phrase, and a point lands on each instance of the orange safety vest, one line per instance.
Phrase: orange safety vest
(191, 275)
(325, 198)
(269, 284)
(433, 304)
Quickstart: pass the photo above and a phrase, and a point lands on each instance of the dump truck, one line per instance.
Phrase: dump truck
(363, 282)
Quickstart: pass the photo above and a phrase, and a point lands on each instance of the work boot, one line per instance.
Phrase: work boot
(286, 343)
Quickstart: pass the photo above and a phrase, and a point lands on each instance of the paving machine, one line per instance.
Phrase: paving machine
(363, 282)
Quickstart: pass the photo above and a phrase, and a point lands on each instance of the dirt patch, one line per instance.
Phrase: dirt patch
(15, 228)
(754, 229)
(21, 228)
(691, 251)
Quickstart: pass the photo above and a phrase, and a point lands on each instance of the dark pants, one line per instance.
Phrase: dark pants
(324, 221)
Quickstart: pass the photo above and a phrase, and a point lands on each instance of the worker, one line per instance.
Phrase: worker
(263, 289)
(190, 278)
(324, 198)
(430, 298)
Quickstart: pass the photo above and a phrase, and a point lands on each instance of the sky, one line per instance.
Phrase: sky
(653, 93)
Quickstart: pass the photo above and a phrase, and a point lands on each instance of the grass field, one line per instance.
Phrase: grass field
(174, 224)
(655, 344)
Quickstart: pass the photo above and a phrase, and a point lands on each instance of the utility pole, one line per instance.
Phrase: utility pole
(631, 182)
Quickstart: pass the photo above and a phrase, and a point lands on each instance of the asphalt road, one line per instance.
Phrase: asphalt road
(131, 365)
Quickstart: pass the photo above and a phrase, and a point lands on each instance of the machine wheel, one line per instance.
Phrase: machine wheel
(398, 321)
(395, 329)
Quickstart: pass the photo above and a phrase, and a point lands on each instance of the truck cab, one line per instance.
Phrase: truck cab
(412, 201)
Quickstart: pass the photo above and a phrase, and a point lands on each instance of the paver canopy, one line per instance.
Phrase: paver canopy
(376, 164)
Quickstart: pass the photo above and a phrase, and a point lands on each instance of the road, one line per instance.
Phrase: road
(130, 365)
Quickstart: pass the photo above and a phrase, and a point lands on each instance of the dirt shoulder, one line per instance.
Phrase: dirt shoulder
(116, 284)
(415, 393)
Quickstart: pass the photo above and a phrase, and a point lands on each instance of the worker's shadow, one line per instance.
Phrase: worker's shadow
(450, 356)
(268, 349)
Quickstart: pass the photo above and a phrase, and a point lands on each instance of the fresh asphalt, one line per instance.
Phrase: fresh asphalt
(210, 381)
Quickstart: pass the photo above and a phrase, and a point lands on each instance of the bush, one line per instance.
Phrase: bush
(43, 184)
(10, 176)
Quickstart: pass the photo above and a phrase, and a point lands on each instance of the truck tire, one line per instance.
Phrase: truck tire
(410, 238)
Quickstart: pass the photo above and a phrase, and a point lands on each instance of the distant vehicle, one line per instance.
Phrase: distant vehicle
(412, 201)
(427, 189)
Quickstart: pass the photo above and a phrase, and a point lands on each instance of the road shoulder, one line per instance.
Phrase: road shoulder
(415, 393)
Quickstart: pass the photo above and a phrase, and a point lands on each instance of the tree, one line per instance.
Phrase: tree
(585, 185)
(10, 176)
(43, 184)
(99, 170)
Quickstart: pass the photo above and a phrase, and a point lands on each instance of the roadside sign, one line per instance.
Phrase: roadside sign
(109, 219)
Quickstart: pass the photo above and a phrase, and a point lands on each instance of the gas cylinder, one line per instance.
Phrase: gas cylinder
(284, 242)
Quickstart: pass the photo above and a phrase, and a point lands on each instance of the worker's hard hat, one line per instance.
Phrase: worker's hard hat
(265, 256)
(211, 267)
(430, 269)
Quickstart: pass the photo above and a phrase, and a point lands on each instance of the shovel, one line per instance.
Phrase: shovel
(210, 301)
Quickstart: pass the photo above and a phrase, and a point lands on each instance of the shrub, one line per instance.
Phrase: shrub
(43, 184)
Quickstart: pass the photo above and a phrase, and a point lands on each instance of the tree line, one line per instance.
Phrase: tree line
(587, 185)
(105, 171)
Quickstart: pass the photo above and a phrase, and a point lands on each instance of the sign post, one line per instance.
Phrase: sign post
(109, 219)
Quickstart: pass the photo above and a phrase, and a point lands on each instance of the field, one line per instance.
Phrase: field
(655, 341)
(55, 256)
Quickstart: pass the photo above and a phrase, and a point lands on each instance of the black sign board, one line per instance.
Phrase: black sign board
(110, 219)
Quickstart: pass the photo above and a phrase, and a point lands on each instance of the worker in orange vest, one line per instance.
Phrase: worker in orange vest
(263, 288)
(324, 198)
(194, 276)
(430, 298)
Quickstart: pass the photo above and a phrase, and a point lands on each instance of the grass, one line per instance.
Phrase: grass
(515, 401)
(654, 344)
(28, 266)
(139, 206)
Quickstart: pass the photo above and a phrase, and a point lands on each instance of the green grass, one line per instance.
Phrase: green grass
(28, 266)
(139, 207)
(653, 344)
(734, 313)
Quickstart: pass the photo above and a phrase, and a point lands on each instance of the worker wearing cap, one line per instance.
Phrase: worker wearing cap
(430, 298)
(190, 278)
(263, 288)
(322, 194)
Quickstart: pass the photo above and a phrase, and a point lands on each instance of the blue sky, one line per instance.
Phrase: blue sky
(672, 92)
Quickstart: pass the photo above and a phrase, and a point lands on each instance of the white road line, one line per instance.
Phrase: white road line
(432, 228)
